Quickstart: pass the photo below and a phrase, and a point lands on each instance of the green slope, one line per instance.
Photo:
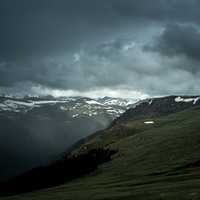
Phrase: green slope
(154, 161)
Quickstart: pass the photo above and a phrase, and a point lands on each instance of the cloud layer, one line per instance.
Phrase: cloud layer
(141, 46)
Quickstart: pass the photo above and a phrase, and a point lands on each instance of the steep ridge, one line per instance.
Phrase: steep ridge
(159, 107)
(159, 160)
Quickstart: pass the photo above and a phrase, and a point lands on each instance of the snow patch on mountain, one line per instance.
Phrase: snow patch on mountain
(149, 122)
(25, 105)
(75, 115)
(151, 101)
(48, 102)
(187, 100)
(120, 102)
(93, 102)
(75, 106)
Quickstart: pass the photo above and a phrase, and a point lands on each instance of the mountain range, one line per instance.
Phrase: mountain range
(149, 152)
(35, 130)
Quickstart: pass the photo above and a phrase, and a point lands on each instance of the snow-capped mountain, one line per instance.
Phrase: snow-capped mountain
(33, 130)
(159, 106)
(76, 106)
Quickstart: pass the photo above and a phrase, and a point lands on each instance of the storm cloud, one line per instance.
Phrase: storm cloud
(151, 47)
(179, 40)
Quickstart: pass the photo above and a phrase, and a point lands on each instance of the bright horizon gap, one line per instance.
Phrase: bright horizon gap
(92, 93)
(39, 90)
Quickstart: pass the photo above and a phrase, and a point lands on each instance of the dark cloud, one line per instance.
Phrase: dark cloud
(81, 45)
(159, 10)
(179, 40)
(41, 28)
(30, 28)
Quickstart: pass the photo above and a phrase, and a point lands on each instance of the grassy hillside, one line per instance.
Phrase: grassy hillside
(154, 161)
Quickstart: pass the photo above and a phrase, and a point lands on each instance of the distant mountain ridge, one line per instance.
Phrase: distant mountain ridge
(155, 107)
(112, 106)
(35, 130)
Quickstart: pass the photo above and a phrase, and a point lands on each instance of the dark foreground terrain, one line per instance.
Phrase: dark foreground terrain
(157, 156)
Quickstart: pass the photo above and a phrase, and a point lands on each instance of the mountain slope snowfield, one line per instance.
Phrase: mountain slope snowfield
(152, 151)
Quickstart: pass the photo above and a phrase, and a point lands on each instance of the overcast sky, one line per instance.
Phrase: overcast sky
(95, 47)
